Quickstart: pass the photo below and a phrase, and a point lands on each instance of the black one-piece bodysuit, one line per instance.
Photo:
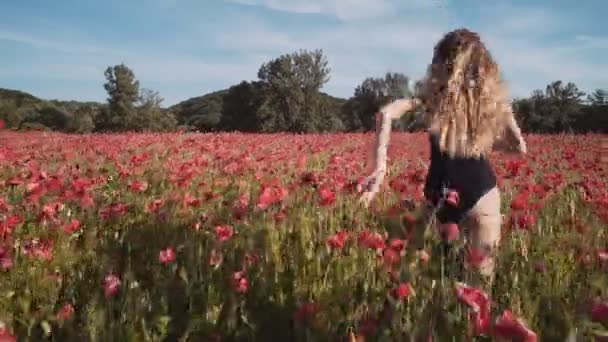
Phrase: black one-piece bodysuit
(470, 177)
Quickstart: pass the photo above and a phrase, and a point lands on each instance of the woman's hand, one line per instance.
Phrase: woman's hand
(371, 186)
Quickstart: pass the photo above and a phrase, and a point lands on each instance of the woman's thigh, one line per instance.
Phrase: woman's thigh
(483, 222)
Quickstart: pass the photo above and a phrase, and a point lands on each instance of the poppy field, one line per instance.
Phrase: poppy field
(252, 237)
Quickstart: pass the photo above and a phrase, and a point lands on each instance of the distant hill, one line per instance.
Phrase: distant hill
(204, 112)
(201, 112)
(20, 99)
(21, 110)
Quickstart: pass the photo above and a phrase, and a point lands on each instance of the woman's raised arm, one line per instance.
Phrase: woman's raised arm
(384, 118)
(511, 139)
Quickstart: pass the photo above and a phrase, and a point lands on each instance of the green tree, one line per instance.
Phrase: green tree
(10, 113)
(557, 109)
(291, 86)
(240, 107)
(370, 96)
(594, 117)
(599, 97)
(82, 120)
(123, 91)
(53, 117)
(202, 113)
(564, 104)
(150, 114)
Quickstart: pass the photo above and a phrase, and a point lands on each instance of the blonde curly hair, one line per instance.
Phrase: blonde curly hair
(464, 102)
(464, 98)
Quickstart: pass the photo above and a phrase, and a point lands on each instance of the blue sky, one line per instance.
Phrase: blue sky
(185, 48)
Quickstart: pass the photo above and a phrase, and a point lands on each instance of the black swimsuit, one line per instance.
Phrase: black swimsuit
(470, 177)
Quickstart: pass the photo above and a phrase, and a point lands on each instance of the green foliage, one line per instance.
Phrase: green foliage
(286, 97)
(10, 113)
(82, 120)
(594, 116)
(123, 91)
(291, 85)
(240, 107)
(150, 114)
(560, 108)
(372, 94)
(53, 117)
(132, 109)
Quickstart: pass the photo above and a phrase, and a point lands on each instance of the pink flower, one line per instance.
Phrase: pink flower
(525, 221)
(223, 232)
(166, 256)
(371, 240)
(40, 249)
(510, 328)
(474, 257)
(111, 285)
(66, 311)
(453, 198)
(479, 303)
(6, 259)
(390, 257)
(5, 335)
(239, 282)
(71, 227)
(397, 245)
(337, 240)
(449, 232)
(599, 312)
(306, 311)
(326, 196)
(401, 292)
(137, 186)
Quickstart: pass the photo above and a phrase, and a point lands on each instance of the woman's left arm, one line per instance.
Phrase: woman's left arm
(513, 129)
(510, 139)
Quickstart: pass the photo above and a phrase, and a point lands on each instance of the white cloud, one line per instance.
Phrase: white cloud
(165, 4)
(516, 36)
(297, 6)
(341, 9)
(70, 61)
(354, 51)
(49, 44)
(593, 42)
(389, 39)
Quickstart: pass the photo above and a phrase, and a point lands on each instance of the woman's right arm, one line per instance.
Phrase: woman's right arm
(387, 114)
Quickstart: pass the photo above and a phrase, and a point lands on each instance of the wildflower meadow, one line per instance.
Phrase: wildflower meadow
(260, 237)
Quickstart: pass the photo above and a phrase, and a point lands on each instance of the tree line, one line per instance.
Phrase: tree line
(286, 97)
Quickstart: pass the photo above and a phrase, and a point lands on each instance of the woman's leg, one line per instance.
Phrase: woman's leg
(483, 228)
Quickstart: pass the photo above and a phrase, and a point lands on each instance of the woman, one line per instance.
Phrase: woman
(467, 115)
